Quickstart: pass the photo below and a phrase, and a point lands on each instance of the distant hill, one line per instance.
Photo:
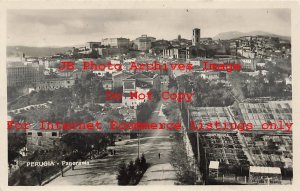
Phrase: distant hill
(35, 51)
(237, 34)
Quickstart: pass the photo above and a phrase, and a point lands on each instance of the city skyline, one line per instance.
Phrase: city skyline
(59, 28)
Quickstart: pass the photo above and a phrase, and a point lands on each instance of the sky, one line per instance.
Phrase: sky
(41, 28)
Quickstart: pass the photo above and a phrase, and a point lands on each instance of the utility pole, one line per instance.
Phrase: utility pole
(198, 152)
(138, 135)
(138, 145)
(206, 173)
(188, 112)
(177, 93)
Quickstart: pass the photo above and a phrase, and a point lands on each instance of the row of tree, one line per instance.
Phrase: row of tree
(185, 173)
(131, 173)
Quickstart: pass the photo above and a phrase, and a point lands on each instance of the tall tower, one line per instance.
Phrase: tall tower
(196, 36)
(179, 38)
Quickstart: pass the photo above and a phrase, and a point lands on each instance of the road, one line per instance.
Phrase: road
(104, 171)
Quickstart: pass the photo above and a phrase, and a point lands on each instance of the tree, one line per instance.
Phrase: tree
(251, 87)
(143, 163)
(98, 92)
(155, 94)
(94, 54)
(61, 104)
(172, 83)
(137, 163)
(144, 111)
(12, 93)
(113, 114)
(20, 118)
(37, 173)
(98, 141)
(122, 177)
(16, 141)
(131, 171)
(76, 142)
(89, 76)
(188, 177)
(83, 116)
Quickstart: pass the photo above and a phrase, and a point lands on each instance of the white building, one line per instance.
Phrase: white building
(53, 84)
(116, 42)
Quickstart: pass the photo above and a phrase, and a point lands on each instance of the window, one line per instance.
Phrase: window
(54, 134)
(40, 134)
(29, 133)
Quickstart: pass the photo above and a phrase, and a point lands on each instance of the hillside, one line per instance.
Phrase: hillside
(35, 51)
(237, 34)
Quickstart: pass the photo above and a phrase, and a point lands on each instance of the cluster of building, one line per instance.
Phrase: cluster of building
(259, 153)
(252, 52)
(113, 46)
(183, 49)
(179, 48)
(260, 47)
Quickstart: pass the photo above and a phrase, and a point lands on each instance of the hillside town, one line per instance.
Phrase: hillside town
(256, 90)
